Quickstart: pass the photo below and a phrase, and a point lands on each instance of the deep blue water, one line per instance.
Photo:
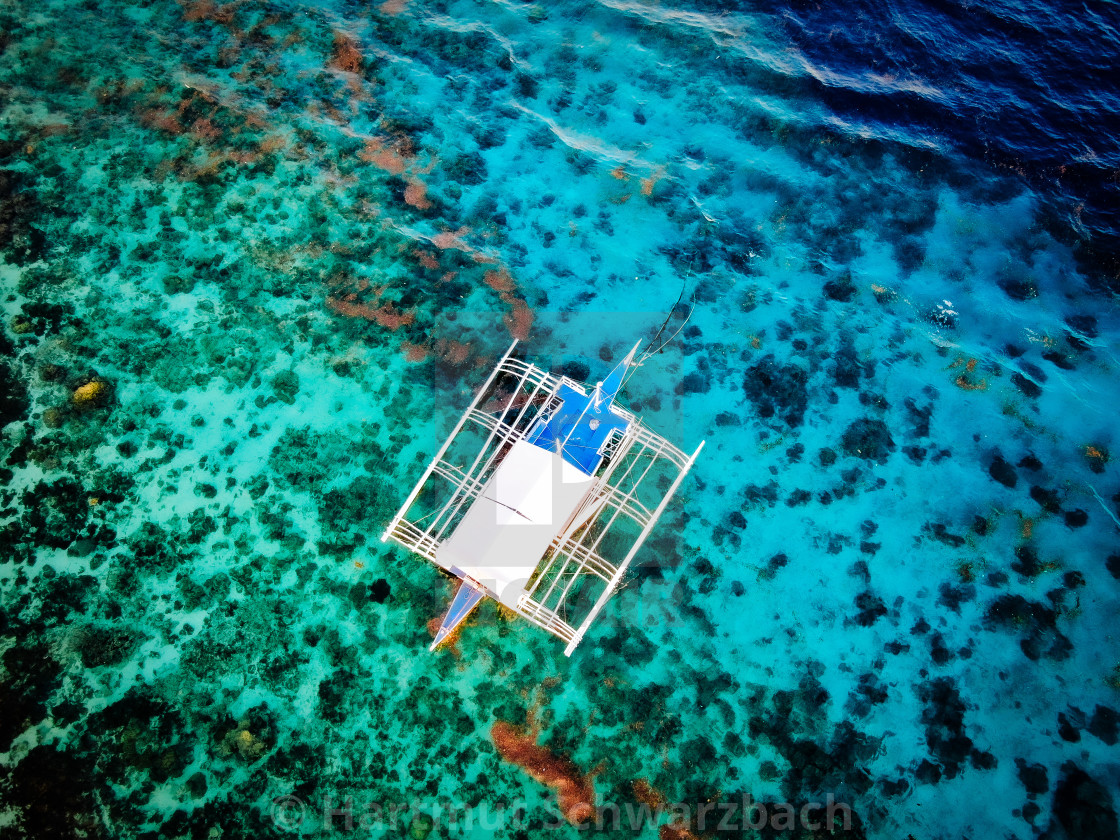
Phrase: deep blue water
(256, 257)
(1027, 87)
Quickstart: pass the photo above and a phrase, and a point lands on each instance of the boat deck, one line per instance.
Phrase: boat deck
(578, 428)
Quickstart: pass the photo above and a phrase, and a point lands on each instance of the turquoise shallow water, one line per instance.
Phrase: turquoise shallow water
(256, 257)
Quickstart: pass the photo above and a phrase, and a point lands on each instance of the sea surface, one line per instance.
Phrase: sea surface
(255, 258)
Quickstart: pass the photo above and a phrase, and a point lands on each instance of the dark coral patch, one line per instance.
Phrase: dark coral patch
(1033, 621)
(983, 760)
(940, 531)
(1070, 725)
(1060, 360)
(1082, 327)
(778, 561)
(14, 403)
(1105, 724)
(1017, 286)
(868, 438)
(943, 718)
(927, 772)
(846, 368)
(1113, 565)
(1049, 499)
(1077, 518)
(379, 590)
(99, 645)
(1001, 471)
(870, 692)
(1033, 777)
(916, 454)
(919, 416)
(953, 596)
(21, 241)
(777, 390)
(871, 609)
(1026, 562)
(1026, 386)
(51, 792)
(798, 498)
(1083, 807)
(840, 288)
(938, 652)
(33, 675)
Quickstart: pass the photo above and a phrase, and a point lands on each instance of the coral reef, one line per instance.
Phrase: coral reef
(256, 257)
(92, 392)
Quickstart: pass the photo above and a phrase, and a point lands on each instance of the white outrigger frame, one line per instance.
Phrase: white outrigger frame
(576, 552)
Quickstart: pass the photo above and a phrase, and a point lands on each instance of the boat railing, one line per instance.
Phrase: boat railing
(545, 618)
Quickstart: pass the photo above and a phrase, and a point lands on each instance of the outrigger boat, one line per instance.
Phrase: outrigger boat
(541, 497)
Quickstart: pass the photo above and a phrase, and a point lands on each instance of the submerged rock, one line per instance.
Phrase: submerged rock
(846, 365)
(1018, 286)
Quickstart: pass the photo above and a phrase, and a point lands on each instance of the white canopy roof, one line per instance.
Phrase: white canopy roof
(507, 529)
